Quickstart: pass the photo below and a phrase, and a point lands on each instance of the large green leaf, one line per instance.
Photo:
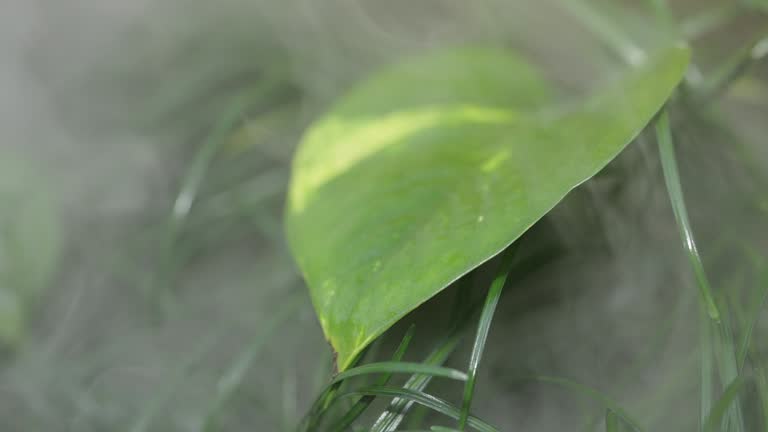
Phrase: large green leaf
(432, 167)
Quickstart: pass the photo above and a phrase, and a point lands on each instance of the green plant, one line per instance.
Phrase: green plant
(543, 216)
(430, 168)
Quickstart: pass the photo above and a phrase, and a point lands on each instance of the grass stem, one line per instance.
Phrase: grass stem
(486, 316)
(675, 191)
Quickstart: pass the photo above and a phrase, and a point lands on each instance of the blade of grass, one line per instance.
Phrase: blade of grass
(675, 191)
(187, 195)
(394, 367)
(319, 376)
(325, 399)
(707, 386)
(362, 404)
(391, 418)
(709, 328)
(178, 100)
(734, 68)
(611, 421)
(389, 368)
(760, 297)
(416, 430)
(761, 383)
(421, 369)
(728, 369)
(431, 429)
(432, 402)
(417, 416)
(201, 163)
(233, 378)
(393, 415)
(486, 317)
(719, 338)
(730, 395)
(249, 194)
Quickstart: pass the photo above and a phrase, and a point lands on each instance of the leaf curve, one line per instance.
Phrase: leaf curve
(433, 166)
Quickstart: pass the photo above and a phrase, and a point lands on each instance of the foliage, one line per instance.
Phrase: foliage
(392, 200)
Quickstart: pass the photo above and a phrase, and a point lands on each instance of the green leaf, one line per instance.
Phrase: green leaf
(432, 167)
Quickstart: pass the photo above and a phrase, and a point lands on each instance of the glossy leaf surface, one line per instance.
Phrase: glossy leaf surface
(430, 168)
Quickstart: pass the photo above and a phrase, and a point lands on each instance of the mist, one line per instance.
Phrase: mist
(136, 308)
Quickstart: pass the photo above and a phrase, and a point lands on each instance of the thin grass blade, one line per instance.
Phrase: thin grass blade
(394, 367)
(706, 397)
(611, 421)
(186, 197)
(391, 418)
(361, 405)
(730, 395)
(432, 402)
(675, 191)
(761, 383)
(486, 317)
(726, 353)
(737, 66)
(388, 368)
(760, 297)
(326, 398)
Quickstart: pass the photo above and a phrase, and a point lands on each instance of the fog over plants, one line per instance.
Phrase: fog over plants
(149, 280)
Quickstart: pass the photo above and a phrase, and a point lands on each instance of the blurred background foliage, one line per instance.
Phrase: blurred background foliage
(144, 280)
